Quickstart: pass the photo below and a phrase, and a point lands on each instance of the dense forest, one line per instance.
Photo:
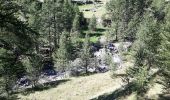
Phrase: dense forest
(57, 40)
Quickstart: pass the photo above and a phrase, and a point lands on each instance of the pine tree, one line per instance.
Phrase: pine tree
(75, 35)
(57, 16)
(68, 14)
(141, 80)
(116, 8)
(62, 54)
(164, 51)
(126, 16)
(149, 39)
(146, 57)
(85, 55)
(17, 40)
(93, 23)
(164, 60)
(82, 22)
(36, 65)
(76, 24)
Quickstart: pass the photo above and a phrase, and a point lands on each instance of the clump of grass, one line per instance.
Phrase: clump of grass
(94, 39)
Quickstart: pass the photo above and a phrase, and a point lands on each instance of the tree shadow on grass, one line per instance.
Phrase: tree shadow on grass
(95, 34)
(91, 34)
(124, 91)
(44, 86)
(127, 90)
(164, 97)
(11, 97)
(98, 32)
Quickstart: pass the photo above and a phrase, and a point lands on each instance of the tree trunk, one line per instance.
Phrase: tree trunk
(116, 31)
(86, 65)
(55, 32)
(49, 32)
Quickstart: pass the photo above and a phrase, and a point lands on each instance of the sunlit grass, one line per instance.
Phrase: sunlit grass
(100, 9)
(93, 39)
(94, 35)
(80, 88)
(87, 6)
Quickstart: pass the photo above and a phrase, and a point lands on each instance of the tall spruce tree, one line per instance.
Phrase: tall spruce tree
(146, 58)
(164, 51)
(75, 33)
(93, 23)
(62, 54)
(58, 15)
(76, 24)
(17, 40)
(85, 55)
(126, 16)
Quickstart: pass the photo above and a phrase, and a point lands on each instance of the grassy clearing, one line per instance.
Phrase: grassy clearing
(100, 9)
(80, 88)
(154, 91)
(152, 94)
(93, 39)
(87, 6)
(94, 35)
(133, 96)
(87, 14)
(88, 87)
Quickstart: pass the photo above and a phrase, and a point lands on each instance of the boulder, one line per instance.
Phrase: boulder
(78, 71)
(91, 69)
(102, 69)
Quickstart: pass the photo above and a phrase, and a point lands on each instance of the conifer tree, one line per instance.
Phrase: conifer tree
(148, 37)
(75, 34)
(57, 16)
(62, 54)
(35, 68)
(76, 24)
(68, 14)
(93, 23)
(126, 16)
(86, 52)
(164, 51)
(17, 40)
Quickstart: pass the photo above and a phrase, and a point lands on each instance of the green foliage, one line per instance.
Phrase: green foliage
(59, 24)
(109, 36)
(17, 40)
(93, 23)
(68, 14)
(85, 55)
(57, 16)
(109, 62)
(126, 16)
(116, 8)
(62, 54)
(147, 45)
(76, 23)
(34, 71)
(141, 79)
(164, 51)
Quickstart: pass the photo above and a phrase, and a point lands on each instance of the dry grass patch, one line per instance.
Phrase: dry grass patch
(154, 91)
(80, 88)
